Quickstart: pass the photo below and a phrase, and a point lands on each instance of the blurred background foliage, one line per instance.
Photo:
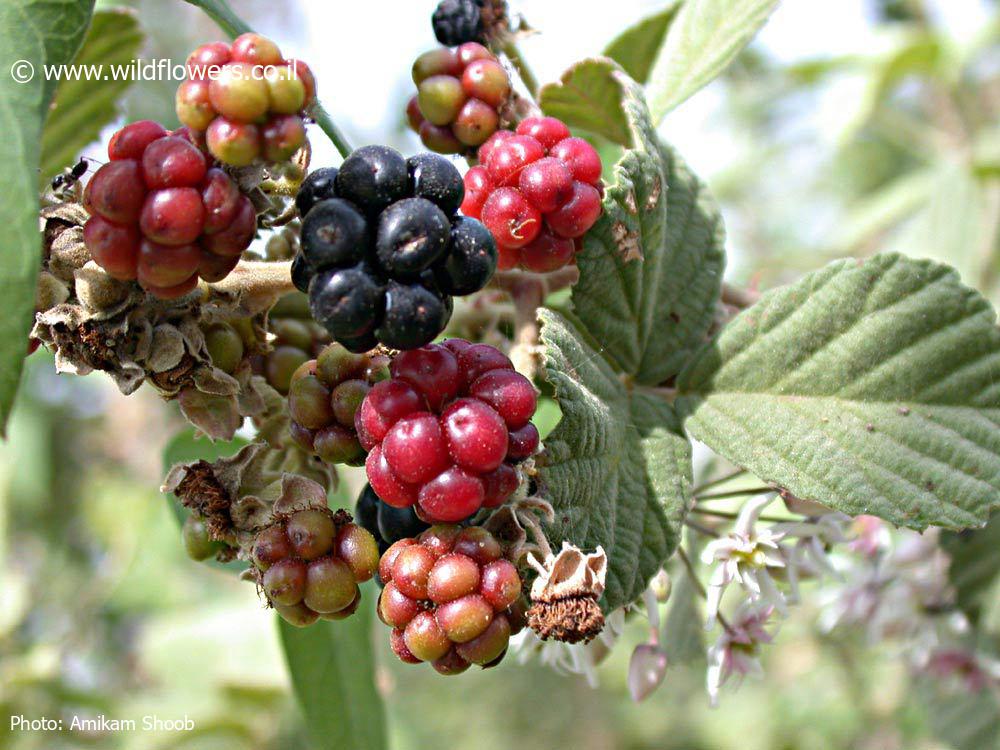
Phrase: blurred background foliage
(102, 613)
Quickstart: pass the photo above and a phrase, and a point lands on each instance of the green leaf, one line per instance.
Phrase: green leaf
(82, 107)
(871, 387)
(589, 96)
(617, 467)
(701, 42)
(636, 47)
(975, 565)
(651, 267)
(684, 627)
(38, 32)
(226, 18)
(333, 673)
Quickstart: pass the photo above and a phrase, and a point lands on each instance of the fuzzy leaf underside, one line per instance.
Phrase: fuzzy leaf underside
(870, 387)
(635, 49)
(82, 107)
(40, 32)
(617, 467)
(332, 669)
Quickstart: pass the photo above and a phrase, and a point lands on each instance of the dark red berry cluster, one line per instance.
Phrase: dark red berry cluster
(445, 432)
(538, 191)
(244, 101)
(450, 598)
(324, 397)
(309, 565)
(160, 213)
(459, 93)
(384, 251)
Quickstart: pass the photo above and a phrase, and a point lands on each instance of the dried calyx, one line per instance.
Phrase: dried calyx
(566, 593)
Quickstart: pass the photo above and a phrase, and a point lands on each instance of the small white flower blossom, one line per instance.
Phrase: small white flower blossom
(809, 556)
(745, 556)
(571, 658)
(737, 650)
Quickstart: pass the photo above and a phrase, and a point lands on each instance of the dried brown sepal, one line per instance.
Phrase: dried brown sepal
(573, 620)
(201, 491)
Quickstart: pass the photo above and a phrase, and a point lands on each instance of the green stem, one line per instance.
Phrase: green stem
(734, 493)
(510, 49)
(220, 12)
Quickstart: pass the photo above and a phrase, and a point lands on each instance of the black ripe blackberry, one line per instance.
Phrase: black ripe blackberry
(397, 523)
(318, 186)
(458, 21)
(382, 259)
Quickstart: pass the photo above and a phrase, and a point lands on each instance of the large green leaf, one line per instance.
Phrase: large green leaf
(589, 96)
(870, 387)
(701, 42)
(617, 468)
(964, 719)
(82, 107)
(32, 33)
(975, 565)
(332, 669)
(635, 48)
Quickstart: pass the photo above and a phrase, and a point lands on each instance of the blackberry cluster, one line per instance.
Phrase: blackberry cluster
(161, 214)
(538, 190)
(445, 432)
(458, 21)
(450, 598)
(459, 94)
(297, 339)
(386, 523)
(323, 398)
(384, 251)
(310, 562)
(243, 101)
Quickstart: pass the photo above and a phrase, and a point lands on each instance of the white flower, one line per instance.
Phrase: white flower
(737, 650)
(567, 658)
(809, 556)
(744, 556)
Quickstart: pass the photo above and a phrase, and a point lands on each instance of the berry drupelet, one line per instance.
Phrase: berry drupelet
(163, 215)
(324, 395)
(459, 94)
(310, 562)
(538, 191)
(445, 433)
(450, 597)
(383, 250)
(245, 101)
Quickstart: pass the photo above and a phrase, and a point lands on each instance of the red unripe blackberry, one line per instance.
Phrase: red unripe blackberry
(193, 105)
(116, 192)
(389, 487)
(492, 142)
(283, 136)
(510, 393)
(478, 359)
(453, 495)
(114, 247)
(522, 443)
(508, 258)
(439, 139)
(512, 220)
(548, 131)
(547, 252)
(415, 448)
(450, 598)
(172, 162)
(546, 183)
(166, 266)
(221, 198)
(309, 564)
(501, 483)
(235, 238)
(414, 117)
(173, 216)
(207, 59)
(235, 143)
(431, 371)
(387, 403)
(485, 79)
(578, 214)
(469, 52)
(255, 49)
(478, 187)
(511, 155)
(582, 159)
(304, 73)
(476, 435)
(475, 122)
(131, 141)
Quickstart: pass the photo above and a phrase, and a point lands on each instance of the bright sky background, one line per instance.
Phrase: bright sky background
(367, 101)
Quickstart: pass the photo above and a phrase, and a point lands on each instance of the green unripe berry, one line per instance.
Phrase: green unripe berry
(270, 546)
(309, 402)
(440, 98)
(239, 94)
(193, 106)
(466, 618)
(338, 445)
(281, 364)
(440, 139)
(475, 123)
(285, 582)
(330, 585)
(298, 615)
(286, 92)
(425, 639)
(346, 399)
(335, 364)
(198, 542)
(225, 347)
(440, 61)
(347, 611)
(487, 646)
(311, 533)
(357, 547)
(234, 143)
